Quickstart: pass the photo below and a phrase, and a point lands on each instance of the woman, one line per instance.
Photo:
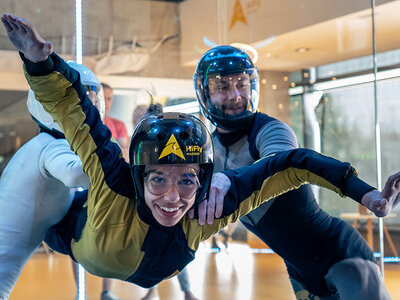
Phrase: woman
(137, 230)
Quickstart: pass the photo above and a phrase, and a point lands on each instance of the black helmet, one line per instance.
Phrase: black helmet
(171, 138)
(222, 61)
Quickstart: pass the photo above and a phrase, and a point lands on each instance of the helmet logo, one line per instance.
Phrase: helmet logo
(172, 146)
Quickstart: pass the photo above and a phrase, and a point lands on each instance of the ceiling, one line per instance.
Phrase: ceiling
(295, 45)
(335, 40)
(298, 35)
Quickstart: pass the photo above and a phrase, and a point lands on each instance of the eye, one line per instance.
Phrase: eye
(157, 180)
(222, 87)
(187, 182)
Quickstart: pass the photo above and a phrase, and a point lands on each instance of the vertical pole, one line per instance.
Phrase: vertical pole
(78, 31)
(78, 58)
(377, 135)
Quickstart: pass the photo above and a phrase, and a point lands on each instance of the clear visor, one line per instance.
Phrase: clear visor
(96, 95)
(229, 95)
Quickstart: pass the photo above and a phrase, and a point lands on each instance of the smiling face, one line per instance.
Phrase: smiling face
(170, 191)
(230, 93)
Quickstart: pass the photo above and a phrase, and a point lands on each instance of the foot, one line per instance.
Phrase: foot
(214, 244)
(108, 295)
(189, 296)
(152, 294)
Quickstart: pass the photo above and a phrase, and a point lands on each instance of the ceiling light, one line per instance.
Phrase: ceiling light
(302, 49)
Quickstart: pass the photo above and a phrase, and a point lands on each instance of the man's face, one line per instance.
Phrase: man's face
(108, 97)
(231, 93)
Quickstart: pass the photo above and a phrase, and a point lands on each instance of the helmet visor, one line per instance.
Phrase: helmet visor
(228, 98)
(96, 95)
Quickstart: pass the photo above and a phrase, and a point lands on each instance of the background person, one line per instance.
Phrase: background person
(117, 127)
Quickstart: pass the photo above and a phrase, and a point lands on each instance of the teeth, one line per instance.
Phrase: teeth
(169, 209)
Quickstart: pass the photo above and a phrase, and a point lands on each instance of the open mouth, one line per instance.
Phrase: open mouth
(168, 211)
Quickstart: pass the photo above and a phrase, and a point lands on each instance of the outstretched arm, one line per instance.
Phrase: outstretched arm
(288, 170)
(58, 87)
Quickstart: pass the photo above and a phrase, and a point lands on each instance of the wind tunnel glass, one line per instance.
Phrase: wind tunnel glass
(158, 183)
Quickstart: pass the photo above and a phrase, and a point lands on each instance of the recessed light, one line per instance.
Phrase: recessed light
(302, 49)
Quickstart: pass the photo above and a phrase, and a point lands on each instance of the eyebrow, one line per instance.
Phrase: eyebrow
(189, 173)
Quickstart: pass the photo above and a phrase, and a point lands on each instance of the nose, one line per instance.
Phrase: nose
(234, 93)
(172, 194)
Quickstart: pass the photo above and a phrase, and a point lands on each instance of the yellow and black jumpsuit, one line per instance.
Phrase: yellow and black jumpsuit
(113, 233)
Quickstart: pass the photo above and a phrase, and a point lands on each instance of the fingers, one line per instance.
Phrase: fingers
(11, 20)
(211, 206)
(21, 27)
(219, 204)
(202, 210)
(6, 24)
(392, 187)
(191, 213)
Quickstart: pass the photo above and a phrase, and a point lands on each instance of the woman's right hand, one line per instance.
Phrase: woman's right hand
(26, 39)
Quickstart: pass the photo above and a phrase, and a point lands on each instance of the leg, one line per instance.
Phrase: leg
(23, 227)
(356, 278)
(302, 293)
(107, 294)
(184, 282)
(152, 294)
(214, 244)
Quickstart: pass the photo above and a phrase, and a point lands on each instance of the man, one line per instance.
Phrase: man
(319, 263)
(117, 127)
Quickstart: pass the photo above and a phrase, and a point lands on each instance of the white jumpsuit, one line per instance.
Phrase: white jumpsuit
(34, 195)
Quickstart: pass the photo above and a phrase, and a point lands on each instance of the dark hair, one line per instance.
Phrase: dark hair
(154, 109)
(106, 86)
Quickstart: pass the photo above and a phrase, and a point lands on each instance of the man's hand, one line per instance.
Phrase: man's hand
(207, 209)
(26, 39)
(382, 203)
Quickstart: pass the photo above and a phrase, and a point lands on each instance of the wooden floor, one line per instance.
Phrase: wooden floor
(237, 274)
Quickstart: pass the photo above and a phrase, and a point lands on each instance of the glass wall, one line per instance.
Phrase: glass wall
(300, 47)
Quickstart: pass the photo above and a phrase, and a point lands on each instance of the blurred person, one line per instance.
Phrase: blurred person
(117, 127)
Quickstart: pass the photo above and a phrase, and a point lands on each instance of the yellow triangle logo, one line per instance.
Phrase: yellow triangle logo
(238, 15)
(172, 146)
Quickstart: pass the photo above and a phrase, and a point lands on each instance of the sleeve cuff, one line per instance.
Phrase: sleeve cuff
(356, 188)
(38, 69)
